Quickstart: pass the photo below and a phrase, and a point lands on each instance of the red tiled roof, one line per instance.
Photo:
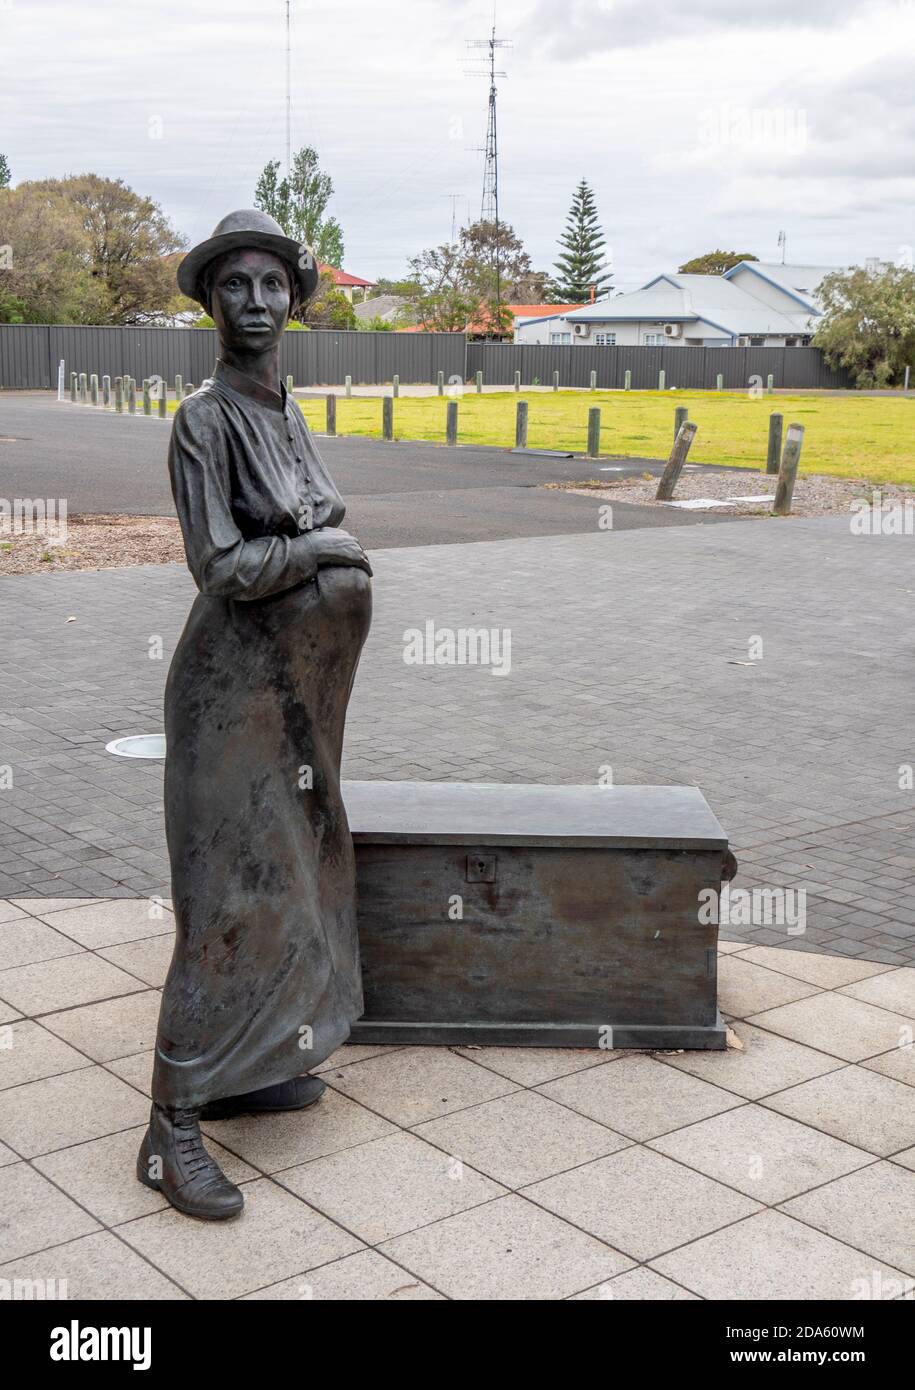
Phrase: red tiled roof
(342, 277)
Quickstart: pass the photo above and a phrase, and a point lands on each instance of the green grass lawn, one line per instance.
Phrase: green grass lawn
(871, 437)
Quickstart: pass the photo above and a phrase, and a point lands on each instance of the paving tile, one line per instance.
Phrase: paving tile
(900, 1065)
(638, 1286)
(873, 1210)
(135, 1069)
(388, 1186)
(7, 1156)
(64, 1110)
(7, 1013)
(835, 1024)
(767, 1063)
(101, 1175)
(860, 1106)
(416, 1083)
(273, 1142)
(768, 1156)
(745, 988)
(34, 1215)
(275, 1236)
(772, 1257)
(530, 1066)
(829, 972)
(64, 982)
(519, 1138)
(640, 1202)
(107, 923)
(894, 991)
(9, 912)
(907, 1158)
(96, 1267)
(26, 940)
(639, 1097)
(32, 1053)
(111, 1029)
(352, 1052)
(39, 907)
(507, 1249)
(365, 1276)
(148, 959)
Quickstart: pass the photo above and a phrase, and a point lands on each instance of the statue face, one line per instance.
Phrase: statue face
(250, 299)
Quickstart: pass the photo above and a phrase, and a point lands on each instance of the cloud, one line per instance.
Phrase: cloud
(583, 27)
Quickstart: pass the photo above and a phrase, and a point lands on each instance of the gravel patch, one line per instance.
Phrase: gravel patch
(95, 543)
(814, 495)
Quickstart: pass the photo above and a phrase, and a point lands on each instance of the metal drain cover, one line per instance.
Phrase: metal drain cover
(138, 746)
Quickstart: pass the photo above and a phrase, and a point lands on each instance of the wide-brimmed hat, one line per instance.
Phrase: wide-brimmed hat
(248, 228)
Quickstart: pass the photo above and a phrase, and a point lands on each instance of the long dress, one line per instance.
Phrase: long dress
(264, 983)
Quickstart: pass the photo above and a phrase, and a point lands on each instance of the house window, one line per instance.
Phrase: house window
(654, 340)
(560, 337)
(605, 339)
(756, 341)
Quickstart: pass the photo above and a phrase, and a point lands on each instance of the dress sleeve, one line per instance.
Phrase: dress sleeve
(223, 563)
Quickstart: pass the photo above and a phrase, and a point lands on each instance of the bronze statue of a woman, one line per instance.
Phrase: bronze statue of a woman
(264, 982)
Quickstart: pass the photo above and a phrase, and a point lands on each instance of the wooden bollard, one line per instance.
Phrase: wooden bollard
(189, 389)
(627, 380)
(131, 396)
(348, 384)
(330, 414)
(119, 394)
(83, 388)
(451, 423)
(93, 388)
(73, 387)
(555, 381)
(521, 425)
(674, 465)
(387, 418)
(773, 457)
(770, 384)
(395, 386)
(787, 473)
(681, 415)
(662, 380)
(440, 383)
(163, 398)
(593, 385)
(517, 381)
(179, 389)
(290, 385)
(479, 382)
(147, 398)
(594, 432)
(106, 391)
(719, 382)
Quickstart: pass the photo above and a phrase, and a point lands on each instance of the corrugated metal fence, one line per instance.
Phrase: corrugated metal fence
(30, 353)
(797, 367)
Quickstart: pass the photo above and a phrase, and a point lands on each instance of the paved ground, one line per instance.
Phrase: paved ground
(629, 649)
(785, 1170)
(397, 494)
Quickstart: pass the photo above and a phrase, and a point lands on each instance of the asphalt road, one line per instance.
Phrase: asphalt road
(398, 494)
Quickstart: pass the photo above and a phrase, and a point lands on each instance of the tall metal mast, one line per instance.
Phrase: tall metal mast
(489, 207)
(288, 94)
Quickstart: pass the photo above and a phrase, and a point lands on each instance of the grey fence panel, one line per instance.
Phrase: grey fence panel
(684, 367)
(29, 354)
(24, 356)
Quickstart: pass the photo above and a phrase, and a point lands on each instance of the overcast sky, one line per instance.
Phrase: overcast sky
(698, 123)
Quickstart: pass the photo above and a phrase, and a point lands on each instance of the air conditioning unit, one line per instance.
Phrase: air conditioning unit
(672, 330)
(581, 330)
(743, 342)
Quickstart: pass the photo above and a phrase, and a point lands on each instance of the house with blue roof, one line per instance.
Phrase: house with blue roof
(755, 304)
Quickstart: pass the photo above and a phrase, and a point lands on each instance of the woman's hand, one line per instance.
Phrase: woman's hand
(331, 546)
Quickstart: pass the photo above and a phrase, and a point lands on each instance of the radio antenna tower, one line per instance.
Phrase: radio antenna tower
(489, 207)
(288, 93)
